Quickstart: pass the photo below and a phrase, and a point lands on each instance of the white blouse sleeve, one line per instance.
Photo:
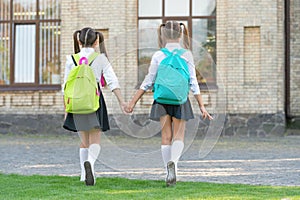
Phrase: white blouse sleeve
(194, 86)
(150, 77)
(109, 74)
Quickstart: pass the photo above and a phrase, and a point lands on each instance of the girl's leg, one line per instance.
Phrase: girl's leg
(93, 153)
(83, 152)
(178, 129)
(94, 145)
(84, 139)
(166, 141)
(178, 138)
(166, 138)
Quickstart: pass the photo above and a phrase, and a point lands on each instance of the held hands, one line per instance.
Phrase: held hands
(123, 106)
(129, 107)
(131, 104)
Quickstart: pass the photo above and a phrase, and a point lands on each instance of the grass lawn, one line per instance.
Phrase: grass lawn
(59, 187)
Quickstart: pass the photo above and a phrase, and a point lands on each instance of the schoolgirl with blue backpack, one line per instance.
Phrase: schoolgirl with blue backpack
(85, 107)
(172, 74)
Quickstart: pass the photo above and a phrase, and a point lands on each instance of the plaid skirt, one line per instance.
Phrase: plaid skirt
(86, 122)
(183, 111)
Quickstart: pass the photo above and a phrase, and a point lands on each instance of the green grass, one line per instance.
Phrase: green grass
(59, 187)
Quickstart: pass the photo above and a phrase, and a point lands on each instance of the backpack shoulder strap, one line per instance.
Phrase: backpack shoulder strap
(76, 58)
(92, 57)
(166, 51)
(179, 52)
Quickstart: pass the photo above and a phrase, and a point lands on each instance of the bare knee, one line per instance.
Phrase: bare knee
(166, 138)
(166, 130)
(178, 129)
(84, 139)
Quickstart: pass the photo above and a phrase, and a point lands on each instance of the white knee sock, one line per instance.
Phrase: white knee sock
(83, 156)
(166, 154)
(176, 151)
(94, 151)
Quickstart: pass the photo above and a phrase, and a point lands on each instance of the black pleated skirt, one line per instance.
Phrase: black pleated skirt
(183, 111)
(86, 122)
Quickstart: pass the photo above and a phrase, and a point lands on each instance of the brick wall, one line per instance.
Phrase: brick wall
(250, 59)
(31, 102)
(251, 55)
(295, 58)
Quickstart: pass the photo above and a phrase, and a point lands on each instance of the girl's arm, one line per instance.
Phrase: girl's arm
(147, 82)
(139, 93)
(195, 86)
(119, 96)
(112, 80)
(205, 114)
(108, 73)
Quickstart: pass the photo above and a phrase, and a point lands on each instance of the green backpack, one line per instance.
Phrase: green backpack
(81, 94)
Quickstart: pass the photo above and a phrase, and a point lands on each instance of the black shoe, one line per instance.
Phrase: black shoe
(89, 175)
(171, 177)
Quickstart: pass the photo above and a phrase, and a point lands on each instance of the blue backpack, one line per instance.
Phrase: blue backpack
(171, 85)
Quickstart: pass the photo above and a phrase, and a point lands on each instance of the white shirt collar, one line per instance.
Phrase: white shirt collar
(174, 45)
(87, 50)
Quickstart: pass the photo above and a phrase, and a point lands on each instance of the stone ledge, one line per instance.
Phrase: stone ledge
(243, 125)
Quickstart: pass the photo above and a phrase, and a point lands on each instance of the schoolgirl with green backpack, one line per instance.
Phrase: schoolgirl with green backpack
(172, 72)
(85, 107)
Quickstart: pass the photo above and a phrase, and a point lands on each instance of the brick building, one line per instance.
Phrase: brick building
(255, 79)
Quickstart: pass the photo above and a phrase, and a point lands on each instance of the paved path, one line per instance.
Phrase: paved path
(258, 161)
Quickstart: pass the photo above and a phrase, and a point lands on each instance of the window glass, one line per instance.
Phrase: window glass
(148, 33)
(41, 67)
(177, 7)
(150, 8)
(204, 8)
(204, 48)
(25, 54)
(148, 44)
(4, 53)
(49, 65)
(49, 9)
(4, 9)
(24, 9)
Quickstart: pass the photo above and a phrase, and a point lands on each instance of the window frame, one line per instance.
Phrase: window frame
(189, 20)
(37, 21)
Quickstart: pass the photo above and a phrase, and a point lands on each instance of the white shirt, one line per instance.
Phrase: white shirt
(159, 56)
(99, 65)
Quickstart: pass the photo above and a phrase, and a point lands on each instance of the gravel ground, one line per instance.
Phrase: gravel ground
(256, 161)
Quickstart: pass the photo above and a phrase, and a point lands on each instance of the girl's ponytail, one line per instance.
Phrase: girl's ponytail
(161, 42)
(186, 37)
(101, 43)
(75, 38)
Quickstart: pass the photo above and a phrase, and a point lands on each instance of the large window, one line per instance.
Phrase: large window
(200, 18)
(29, 44)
